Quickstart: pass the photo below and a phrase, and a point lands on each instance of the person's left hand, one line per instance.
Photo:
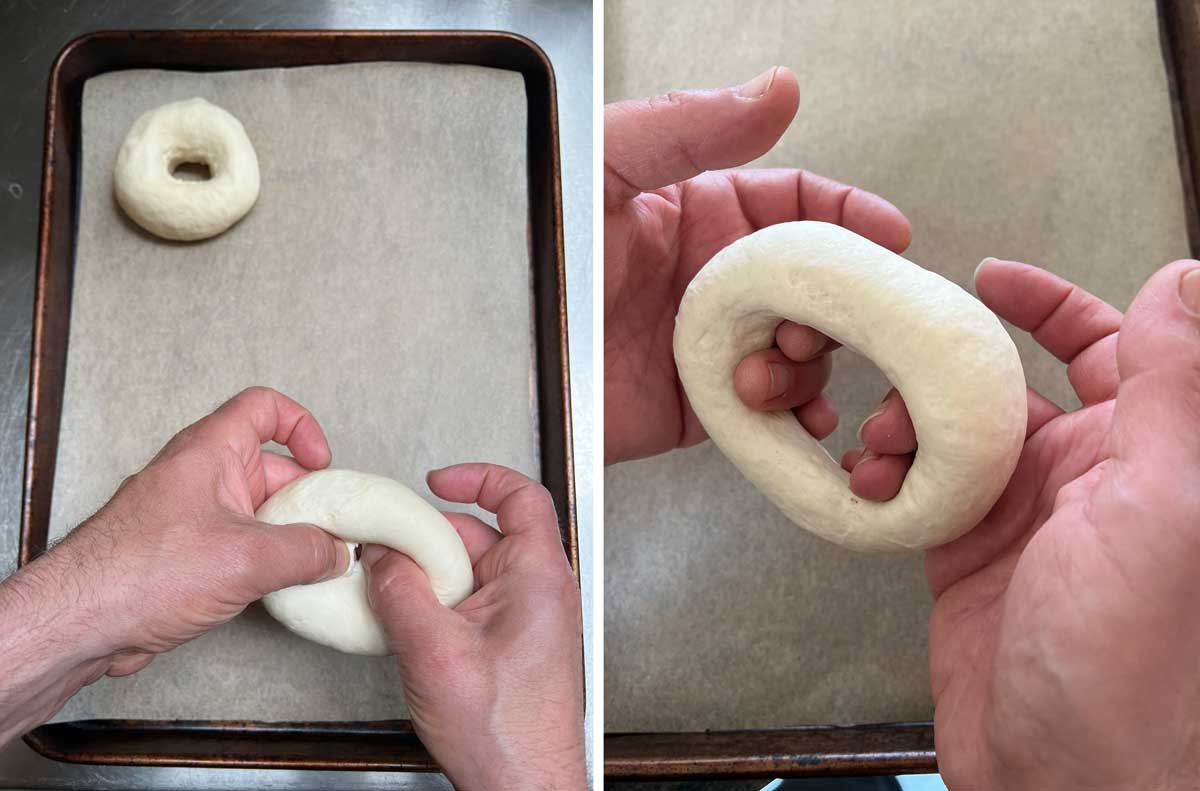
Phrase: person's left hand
(665, 217)
(176, 552)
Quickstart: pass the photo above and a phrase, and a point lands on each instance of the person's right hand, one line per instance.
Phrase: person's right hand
(1063, 647)
(495, 685)
(665, 217)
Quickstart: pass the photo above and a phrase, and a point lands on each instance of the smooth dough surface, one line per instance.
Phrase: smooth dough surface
(947, 354)
(160, 140)
(361, 508)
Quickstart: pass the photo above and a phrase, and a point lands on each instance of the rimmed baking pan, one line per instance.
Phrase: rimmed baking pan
(374, 745)
(891, 748)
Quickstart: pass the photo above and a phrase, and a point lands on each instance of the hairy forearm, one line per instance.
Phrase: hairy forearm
(43, 647)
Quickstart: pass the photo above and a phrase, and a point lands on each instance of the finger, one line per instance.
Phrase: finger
(769, 381)
(260, 414)
(889, 429)
(476, 535)
(1066, 320)
(819, 417)
(400, 594)
(1041, 411)
(1158, 403)
(522, 506)
(651, 143)
(801, 343)
(280, 470)
(280, 556)
(879, 478)
(770, 196)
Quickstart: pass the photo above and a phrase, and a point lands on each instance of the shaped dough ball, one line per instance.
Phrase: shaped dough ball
(161, 140)
(364, 509)
(946, 353)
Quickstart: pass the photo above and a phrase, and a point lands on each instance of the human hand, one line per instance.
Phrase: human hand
(665, 217)
(495, 685)
(174, 553)
(1062, 648)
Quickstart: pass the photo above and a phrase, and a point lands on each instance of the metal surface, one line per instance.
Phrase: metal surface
(34, 35)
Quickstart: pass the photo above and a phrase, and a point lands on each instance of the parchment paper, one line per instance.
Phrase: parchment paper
(1030, 130)
(383, 279)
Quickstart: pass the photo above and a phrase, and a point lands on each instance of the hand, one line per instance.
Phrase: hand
(665, 217)
(1063, 651)
(176, 552)
(494, 686)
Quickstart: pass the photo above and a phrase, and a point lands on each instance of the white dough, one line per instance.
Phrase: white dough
(164, 138)
(946, 353)
(364, 509)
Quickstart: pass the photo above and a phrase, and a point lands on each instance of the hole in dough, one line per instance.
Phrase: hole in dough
(856, 388)
(357, 552)
(191, 171)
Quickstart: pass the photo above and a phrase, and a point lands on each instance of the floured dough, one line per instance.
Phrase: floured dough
(362, 509)
(191, 131)
(946, 353)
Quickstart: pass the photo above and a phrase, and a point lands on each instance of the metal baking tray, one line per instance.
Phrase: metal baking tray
(893, 748)
(379, 745)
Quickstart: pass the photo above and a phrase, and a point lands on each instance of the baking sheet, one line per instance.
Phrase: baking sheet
(1024, 129)
(383, 279)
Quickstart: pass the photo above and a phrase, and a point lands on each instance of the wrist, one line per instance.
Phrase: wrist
(45, 652)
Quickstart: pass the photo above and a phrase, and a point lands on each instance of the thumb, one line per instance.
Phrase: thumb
(1158, 359)
(297, 554)
(651, 143)
(402, 598)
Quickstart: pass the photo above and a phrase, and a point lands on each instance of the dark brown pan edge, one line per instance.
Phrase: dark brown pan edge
(1179, 35)
(378, 745)
(897, 748)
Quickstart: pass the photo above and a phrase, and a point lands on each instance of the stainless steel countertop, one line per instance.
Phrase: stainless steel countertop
(33, 33)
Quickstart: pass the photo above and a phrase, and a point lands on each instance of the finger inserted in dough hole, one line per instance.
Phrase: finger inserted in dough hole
(949, 355)
(360, 508)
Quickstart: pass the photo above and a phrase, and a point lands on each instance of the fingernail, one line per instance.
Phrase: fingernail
(781, 379)
(345, 561)
(1189, 291)
(879, 411)
(758, 86)
(867, 455)
(975, 276)
(372, 554)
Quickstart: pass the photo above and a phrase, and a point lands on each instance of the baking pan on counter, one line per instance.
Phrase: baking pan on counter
(891, 748)
(374, 745)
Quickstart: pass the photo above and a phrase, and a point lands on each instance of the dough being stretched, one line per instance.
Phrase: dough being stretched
(361, 508)
(946, 353)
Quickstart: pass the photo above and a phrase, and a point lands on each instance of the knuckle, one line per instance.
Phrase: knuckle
(254, 392)
(541, 500)
(671, 99)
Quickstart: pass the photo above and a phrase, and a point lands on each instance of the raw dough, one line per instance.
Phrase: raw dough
(191, 131)
(946, 353)
(365, 509)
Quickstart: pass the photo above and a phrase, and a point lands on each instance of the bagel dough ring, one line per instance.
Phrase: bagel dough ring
(946, 353)
(361, 508)
(169, 136)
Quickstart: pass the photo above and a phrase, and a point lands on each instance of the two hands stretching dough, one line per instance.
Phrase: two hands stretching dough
(494, 686)
(1062, 649)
